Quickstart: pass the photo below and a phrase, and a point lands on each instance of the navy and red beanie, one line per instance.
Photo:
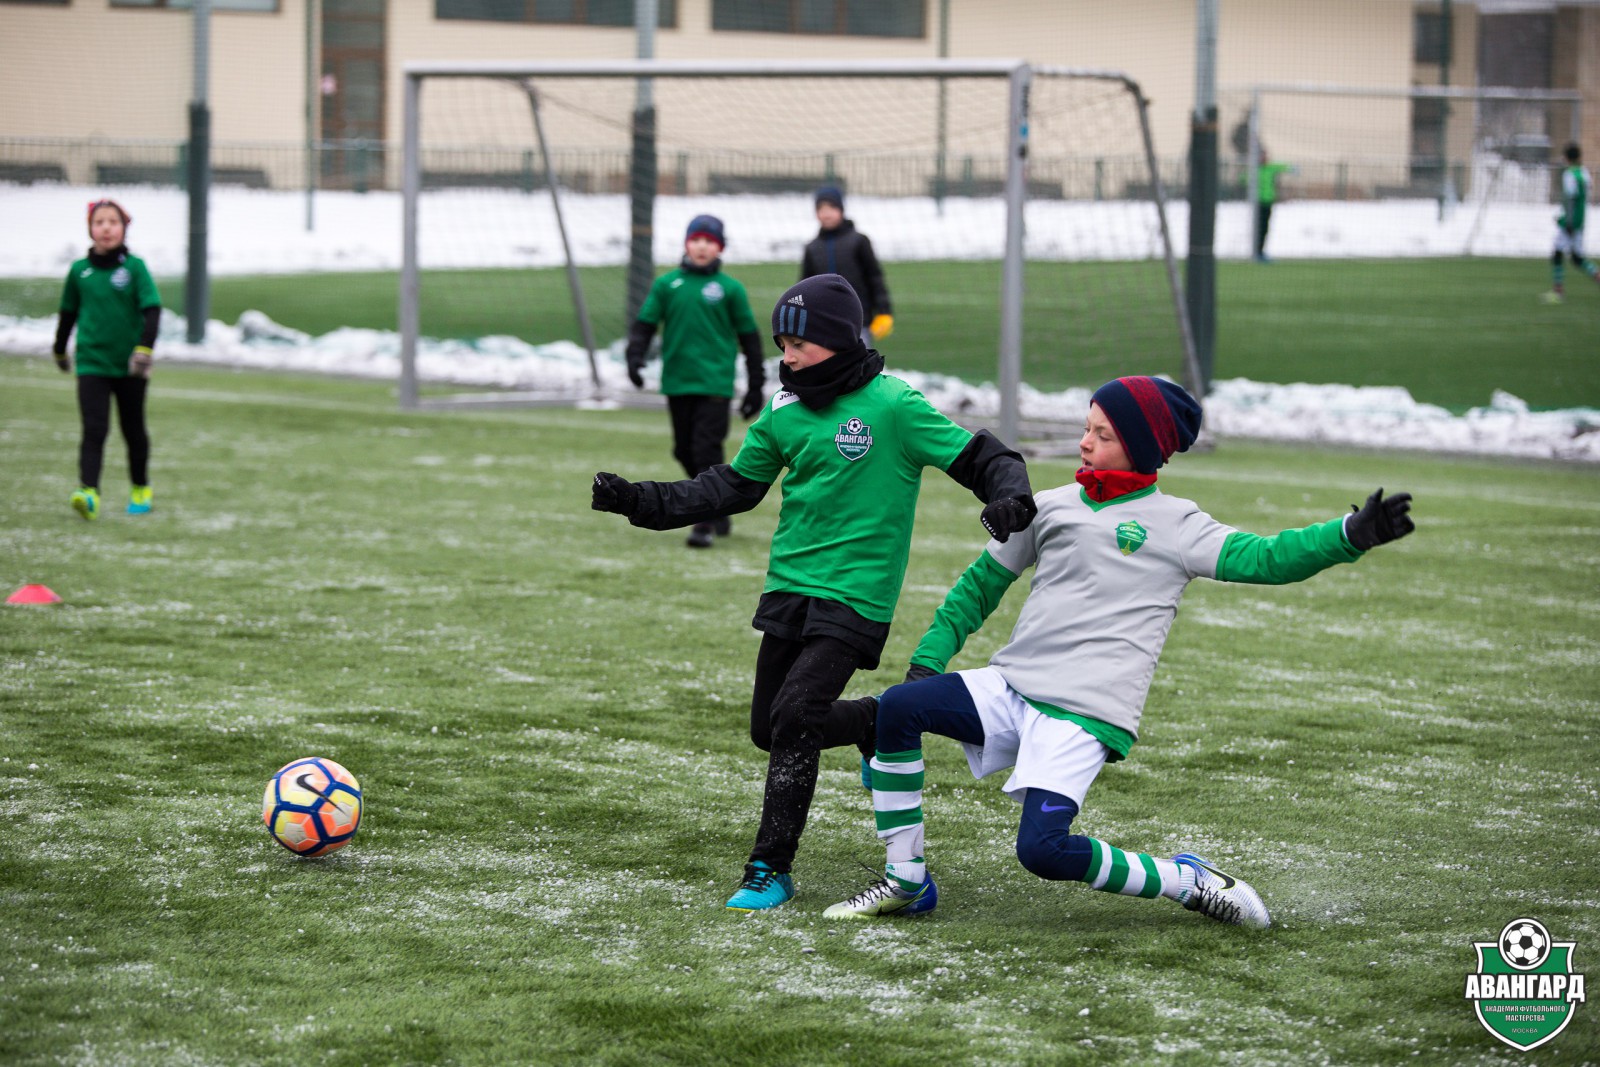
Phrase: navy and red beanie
(96, 205)
(822, 309)
(706, 226)
(1153, 418)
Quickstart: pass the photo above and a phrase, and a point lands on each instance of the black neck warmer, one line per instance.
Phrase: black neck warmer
(110, 259)
(843, 373)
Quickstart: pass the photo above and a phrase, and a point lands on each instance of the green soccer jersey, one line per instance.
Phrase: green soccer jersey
(701, 317)
(1574, 198)
(109, 302)
(850, 494)
(1267, 181)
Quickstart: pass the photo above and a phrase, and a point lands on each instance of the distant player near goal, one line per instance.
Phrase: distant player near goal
(1569, 226)
(1111, 556)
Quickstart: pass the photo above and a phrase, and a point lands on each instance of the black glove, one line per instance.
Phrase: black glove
(1007, 516)
(636, 371)
(917, 672)
(615, 494)
(1379, 521)
(62, 362)
(750, 406)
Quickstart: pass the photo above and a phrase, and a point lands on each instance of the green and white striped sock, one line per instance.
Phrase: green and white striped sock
(897, 807)
(1135, 874)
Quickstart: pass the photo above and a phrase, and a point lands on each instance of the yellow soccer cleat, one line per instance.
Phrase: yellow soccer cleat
(139, 501)
(86, 502)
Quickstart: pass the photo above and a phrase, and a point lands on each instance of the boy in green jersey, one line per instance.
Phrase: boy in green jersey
(1569, 226)
(704, 316)
(1267, 175)
(1111, 556)
(112, 300)
(853, 442)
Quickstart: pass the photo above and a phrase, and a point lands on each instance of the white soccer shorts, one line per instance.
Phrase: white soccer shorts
(1569, 243)
(1043, 753)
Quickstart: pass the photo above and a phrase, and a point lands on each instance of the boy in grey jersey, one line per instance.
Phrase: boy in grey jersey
(1111, 558)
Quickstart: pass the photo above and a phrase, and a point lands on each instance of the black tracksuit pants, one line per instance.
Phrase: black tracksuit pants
(699, 426)
(95, 393)
(795, 713)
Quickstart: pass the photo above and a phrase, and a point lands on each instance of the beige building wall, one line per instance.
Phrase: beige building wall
(258, 91)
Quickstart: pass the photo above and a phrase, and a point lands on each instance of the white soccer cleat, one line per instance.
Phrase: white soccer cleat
(883, 898)
(1222, 897)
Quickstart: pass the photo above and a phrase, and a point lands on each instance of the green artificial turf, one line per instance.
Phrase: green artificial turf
(547, 710)
(1452, 331)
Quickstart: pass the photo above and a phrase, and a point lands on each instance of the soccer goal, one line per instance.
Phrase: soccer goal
(1416, 171)
(1018, 211)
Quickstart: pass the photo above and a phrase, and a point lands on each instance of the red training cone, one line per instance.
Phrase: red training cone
(34, 594)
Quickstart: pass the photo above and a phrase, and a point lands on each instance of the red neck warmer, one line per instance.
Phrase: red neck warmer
(1108, 485)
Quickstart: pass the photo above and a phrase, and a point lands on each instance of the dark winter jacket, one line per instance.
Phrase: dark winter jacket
(848, 252)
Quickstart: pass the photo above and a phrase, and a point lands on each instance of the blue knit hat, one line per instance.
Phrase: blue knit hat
(707, 226)
(1153, 418)
(822, 309)
(830, 194)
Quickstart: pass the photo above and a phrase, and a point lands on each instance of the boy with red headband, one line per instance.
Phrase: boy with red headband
(705, 317)
(112, 300)
(1111, 556)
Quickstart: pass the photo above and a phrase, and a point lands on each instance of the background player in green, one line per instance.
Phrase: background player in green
(112, 300)
(1266, 195)
(853, 442)
(704, 317)
(1111, 556)
(1569, 225)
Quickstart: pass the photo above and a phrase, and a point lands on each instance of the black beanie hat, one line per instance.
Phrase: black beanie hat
(830, 194)
(1153, 418)
(706, 226)
(822, 309)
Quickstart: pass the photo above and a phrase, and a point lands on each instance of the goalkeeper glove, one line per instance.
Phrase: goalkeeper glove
(1007, 516)
(139, 365)
(881, 326)
(1379, 521)
(615, 494)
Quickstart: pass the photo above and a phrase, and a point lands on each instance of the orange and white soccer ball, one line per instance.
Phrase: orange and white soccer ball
(312, 806)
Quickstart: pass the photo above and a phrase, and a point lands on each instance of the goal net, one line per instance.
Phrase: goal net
(1016, 211)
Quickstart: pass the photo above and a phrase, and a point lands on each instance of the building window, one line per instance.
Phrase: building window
(554, 12)
(1428, 38)
(216, 5)
(853, 18)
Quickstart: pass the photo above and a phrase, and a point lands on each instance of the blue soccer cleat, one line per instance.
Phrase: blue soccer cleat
(140, 500)
(884, 898)
(86, 502)
(761, 889)
(1221, 897)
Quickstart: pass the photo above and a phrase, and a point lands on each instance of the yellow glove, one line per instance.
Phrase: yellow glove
(881, 326)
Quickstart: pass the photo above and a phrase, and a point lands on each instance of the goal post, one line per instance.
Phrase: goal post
(981, 183)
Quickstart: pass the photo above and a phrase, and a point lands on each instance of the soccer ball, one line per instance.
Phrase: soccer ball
(312, 806)
(1524, 944)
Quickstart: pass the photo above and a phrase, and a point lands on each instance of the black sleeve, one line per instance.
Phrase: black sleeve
(639, 335)
(876, 286)
(755, 368)
(64, 325)
(807, 267)
(714, 492)
(990, 469)
(152, 326)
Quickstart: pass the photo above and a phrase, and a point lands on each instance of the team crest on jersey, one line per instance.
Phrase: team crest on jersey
(1525, 989)
(120, 278)
(853, 439)
(711, 292)
(1131, 537)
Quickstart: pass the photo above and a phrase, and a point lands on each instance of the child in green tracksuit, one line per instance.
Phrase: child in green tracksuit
(704, 316)
(1111, 556)
(1569, 226)
(112, 300)
(853, 442)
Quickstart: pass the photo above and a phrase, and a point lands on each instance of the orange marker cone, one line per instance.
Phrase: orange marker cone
(34, 594)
